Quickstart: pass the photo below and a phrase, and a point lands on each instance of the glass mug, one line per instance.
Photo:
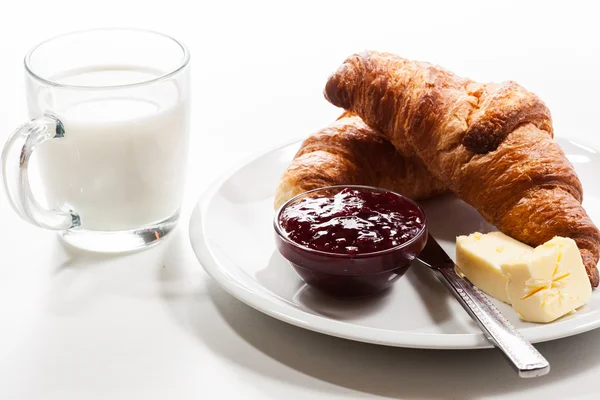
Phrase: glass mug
(109, 136)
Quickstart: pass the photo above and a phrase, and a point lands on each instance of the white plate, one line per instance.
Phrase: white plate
(231, 232)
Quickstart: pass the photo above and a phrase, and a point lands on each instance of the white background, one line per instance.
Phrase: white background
(152, 325)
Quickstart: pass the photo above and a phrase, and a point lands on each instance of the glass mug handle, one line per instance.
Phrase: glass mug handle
(15, 163)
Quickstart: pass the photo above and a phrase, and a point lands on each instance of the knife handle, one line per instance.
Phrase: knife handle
(525, 358)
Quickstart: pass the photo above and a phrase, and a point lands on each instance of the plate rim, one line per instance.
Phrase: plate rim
(341, 329)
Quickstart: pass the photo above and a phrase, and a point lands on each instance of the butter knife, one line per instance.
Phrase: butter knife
(501, 333)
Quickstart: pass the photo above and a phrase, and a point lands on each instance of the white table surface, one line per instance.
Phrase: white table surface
(153, 325)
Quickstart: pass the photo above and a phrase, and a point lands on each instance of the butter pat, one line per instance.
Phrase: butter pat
(479, 257)
(548, 283)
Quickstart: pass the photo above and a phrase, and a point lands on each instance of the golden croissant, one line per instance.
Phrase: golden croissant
(491, 144)
(348, 152)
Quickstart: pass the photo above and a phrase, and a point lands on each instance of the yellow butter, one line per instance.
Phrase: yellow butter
(549, 282)
(479, 257)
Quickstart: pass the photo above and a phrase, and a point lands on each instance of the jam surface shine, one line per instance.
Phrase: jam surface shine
(353, 221)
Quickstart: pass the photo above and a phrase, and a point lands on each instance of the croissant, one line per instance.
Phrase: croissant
(348, 152)
(491, 144)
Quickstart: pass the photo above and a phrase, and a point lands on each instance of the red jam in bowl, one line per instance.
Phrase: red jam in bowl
(353, 221)
(350, 240)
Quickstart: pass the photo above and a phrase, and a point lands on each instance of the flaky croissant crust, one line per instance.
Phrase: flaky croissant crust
(348, 152)
(490, 143)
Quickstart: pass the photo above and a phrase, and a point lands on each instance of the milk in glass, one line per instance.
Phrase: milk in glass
(120, 163)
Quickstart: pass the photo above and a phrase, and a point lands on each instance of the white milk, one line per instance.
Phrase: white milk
(122, 162)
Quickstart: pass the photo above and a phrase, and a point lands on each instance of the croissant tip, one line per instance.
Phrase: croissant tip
(332, 92)
(594, 278)
(325, 89)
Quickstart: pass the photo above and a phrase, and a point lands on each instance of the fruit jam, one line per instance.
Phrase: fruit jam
(353, 221)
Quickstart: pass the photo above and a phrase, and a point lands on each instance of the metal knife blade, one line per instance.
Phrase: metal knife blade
(433, 256)
(501, 333)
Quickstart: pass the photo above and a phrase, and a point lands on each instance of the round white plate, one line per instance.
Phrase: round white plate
(231, 232)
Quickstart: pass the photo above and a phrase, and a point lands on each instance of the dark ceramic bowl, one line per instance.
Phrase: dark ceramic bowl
(346, 275)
